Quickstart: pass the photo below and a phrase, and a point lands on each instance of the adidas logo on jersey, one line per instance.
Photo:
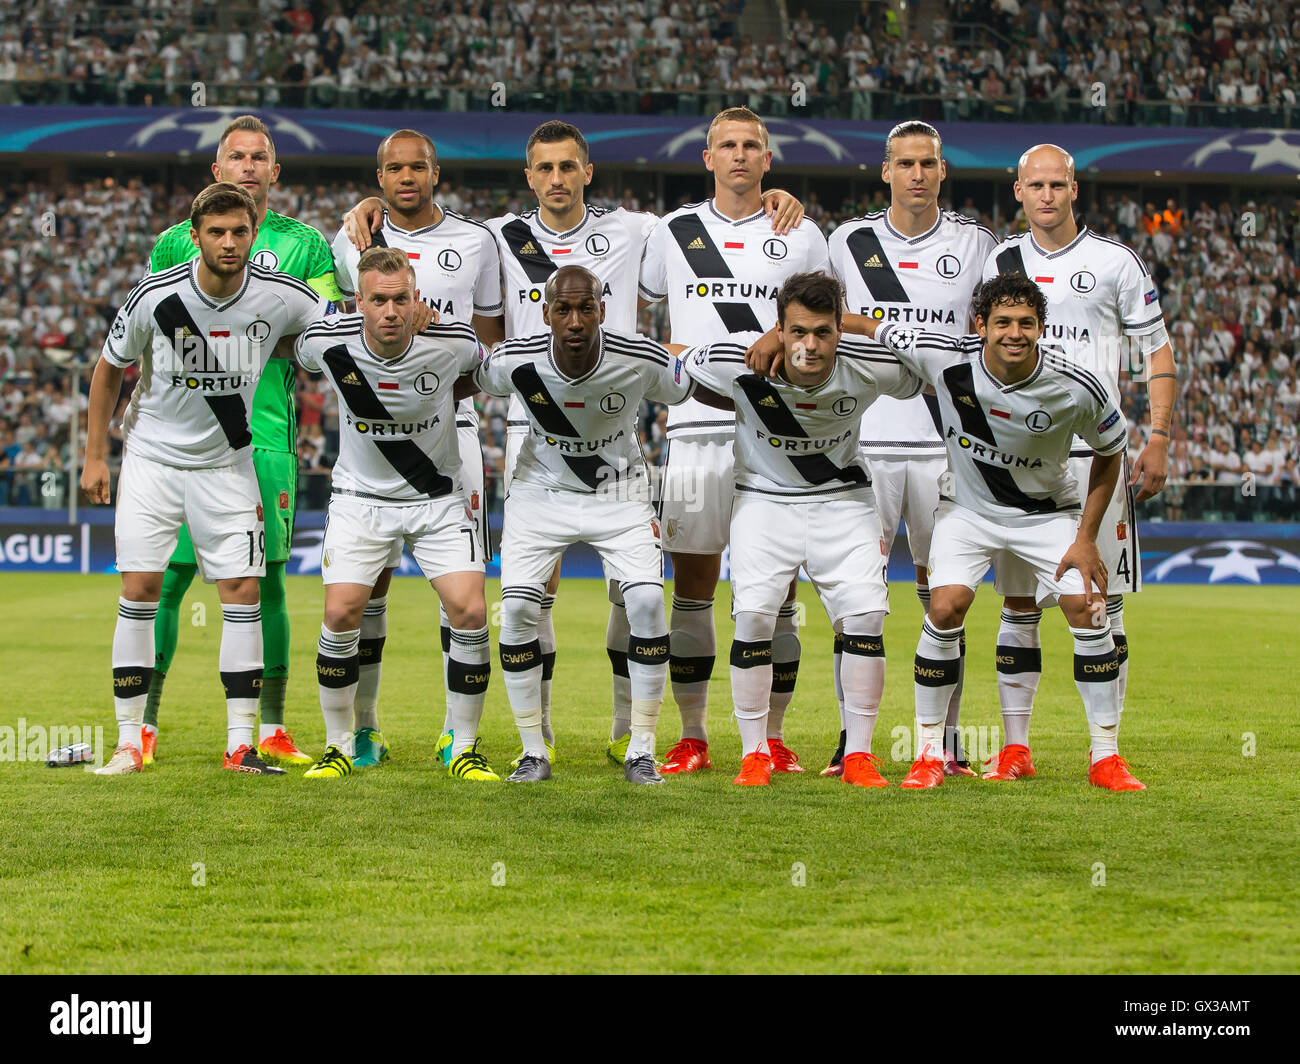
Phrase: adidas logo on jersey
(351, 378)
(873, 261)
(966, 399)
(538, 398)
(696, 245)
(528, 249)
(767, 400)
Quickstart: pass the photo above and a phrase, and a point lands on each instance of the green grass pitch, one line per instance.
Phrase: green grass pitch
(402, 869)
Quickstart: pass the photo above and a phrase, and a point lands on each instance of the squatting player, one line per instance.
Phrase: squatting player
(916, 265)
(581, 478)
(458, 270)
(202, 333)
(397, 481)
(1098, 293)
(804, 499)
(1008, 411)
(246, 157)
(720, 267)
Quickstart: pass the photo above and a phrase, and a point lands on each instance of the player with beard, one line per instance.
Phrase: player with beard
(458, 273)
(1101, 300)
(202, 333)
(566, 230)
(246, 157)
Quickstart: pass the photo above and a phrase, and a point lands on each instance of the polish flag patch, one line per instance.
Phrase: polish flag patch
(388, 386)
(1043, 280)
(999, 413)
(909, 265)
(561, 251)
(578, 405)
(739, 245)
(805, 406)
(413, 255)
(221, 332)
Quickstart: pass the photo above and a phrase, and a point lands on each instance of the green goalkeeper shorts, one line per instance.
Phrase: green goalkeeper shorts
(277, 477)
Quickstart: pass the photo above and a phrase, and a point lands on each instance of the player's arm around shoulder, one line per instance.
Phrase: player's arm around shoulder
(319, 270)
(879, 370)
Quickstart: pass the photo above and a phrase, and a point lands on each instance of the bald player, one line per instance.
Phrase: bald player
(1102, 307)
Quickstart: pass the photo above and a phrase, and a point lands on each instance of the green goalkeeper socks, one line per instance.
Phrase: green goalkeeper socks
(176, 581)
(275, 646)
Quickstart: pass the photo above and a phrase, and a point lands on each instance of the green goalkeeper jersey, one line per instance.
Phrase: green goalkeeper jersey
(288, 246)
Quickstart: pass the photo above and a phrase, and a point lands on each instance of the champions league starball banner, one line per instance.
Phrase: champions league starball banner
(638, 139)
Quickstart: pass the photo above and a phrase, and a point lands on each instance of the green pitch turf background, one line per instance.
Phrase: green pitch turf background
(393, 870)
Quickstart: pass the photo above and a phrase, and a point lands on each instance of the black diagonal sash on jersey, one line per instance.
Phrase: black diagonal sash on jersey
(407, 457)
(172, 318)
(707, 261)
(881, 280)
(591, 469)
(536, 263)
(779, 420)
(960, 382)
(1011, 261)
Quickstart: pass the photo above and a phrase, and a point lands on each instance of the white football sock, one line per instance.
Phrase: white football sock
(337, 668)
(374, 632)
(521, 662)
(751, 678)
(938, 655)
(785, 668)
(1019, 658)
(1096, 670)
(546, 640)
(1115, 614)
(617, 634)
(864, 679)
(693, 647)
(468, 670)
(133, 661)
(240, 662)
(647, 662)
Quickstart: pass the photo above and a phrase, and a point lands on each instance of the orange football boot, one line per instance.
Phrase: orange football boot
(689, 755)
(1113, 774)
(278, 749)
(926, 772)
(1014, 763)
(860, 770)
(783, 758)
(755, 770)
(953, 767)
(148, 744)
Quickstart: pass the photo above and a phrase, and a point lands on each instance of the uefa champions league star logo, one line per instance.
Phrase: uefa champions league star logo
(208, 123)
(1230, 559)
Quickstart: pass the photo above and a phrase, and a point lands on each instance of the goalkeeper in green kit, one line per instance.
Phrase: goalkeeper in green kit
(246, 157)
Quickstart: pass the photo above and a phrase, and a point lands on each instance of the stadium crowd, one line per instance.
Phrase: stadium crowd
(1228, 281)
(1040, 60)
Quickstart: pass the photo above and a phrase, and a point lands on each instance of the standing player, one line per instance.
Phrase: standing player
(202, 333)
(1008, 411)
(916, 265)
(397, 482)
(565, 230)
(246, 157)
(804, 499)
(1098, 293)
(458, 270)
(720, 268)
(581, 478)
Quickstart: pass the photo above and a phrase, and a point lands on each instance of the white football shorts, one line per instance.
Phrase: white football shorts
(837, 542)
(363, 538)
(907, 488)
(966, 544)
(222, 506)
(1117, 540)
(540, 523)
(696, 493)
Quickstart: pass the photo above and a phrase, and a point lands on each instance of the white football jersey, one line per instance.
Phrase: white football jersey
(801, 444)
(582, 432)
(607, 242)
(924, 281)
(397, 418)
(1098, 291)
(720, 277)
(200, 359)
(457, 271)
(1009, 445)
